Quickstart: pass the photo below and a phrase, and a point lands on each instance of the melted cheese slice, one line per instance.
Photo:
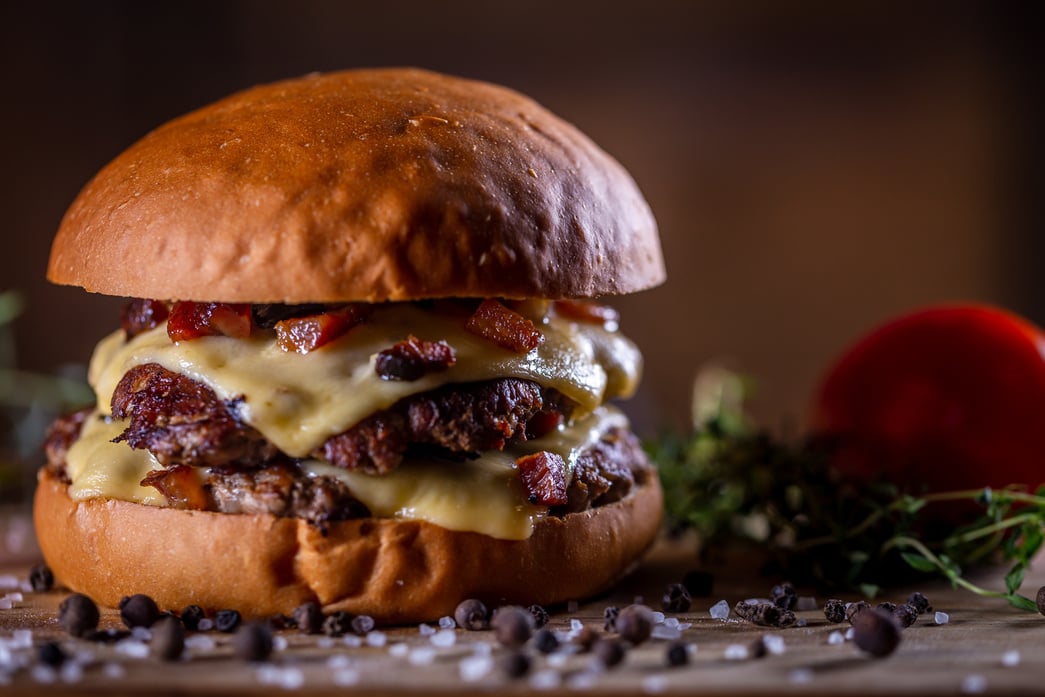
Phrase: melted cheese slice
(299, 401)
(483, 495)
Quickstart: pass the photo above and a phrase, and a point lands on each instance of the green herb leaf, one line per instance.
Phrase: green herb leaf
(918, 562)
(1021, 602)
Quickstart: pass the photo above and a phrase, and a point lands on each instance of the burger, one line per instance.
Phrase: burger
(365, 359)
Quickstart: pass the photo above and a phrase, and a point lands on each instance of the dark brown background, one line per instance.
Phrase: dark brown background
(814, 168)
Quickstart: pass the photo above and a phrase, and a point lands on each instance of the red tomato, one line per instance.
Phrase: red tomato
(942, 399)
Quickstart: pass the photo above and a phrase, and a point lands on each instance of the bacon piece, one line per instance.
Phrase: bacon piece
(141, 315)
(180, 484)
(412, 358)
(544, 476)
(191, 320)
(587, 311)
(304, 334)
(543, 423)
(504, 327)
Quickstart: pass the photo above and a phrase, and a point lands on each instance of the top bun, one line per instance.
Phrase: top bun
(365, 185)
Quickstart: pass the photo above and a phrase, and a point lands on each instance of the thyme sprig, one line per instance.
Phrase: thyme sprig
(730, 482)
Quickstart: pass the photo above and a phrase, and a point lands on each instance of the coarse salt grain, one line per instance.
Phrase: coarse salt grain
(474, 668)
(849, 634)
(352, 641)
(444, 638)
(973, 684)
(583, 680)
(774, 644)
(279, 643)
(287, 678)
(835, 638)
(1010, 658)
(719, 610)
(545, 680)
(802, 622)
(672, 622)
(205, 625)
(376, 639)
(661, 631)
(658, 617)
(71, 672)
(15, 597)
(735, 652)
(5, 603)
(325, 642)
(800, 676)
(558, 660)
(200, 643)
(132, 648)
(346, 677)
(447, 622)
(426, 629)
(22, 639)
(654, 684)
(421, 656)
(482, 648)
(399, 650)
(141, 633)
(43, 673)
(339, 661)
(942, 618)
(113, 670)
(9, 582)
(576, 625)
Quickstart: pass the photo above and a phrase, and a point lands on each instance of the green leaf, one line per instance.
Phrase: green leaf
(1021, 602)
(918, 562)
(870, 590)
(1014, 579)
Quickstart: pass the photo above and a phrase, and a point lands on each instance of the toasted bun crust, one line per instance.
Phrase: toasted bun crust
(394, 570)
(367, 185)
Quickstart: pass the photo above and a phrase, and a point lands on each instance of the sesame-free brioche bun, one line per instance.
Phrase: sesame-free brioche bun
(397, 571)
(363, 185)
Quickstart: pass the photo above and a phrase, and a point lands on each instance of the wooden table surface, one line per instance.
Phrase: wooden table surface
(986, 647)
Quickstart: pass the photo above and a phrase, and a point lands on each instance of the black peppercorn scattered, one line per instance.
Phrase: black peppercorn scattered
(540, 616)
(168, 639)
(876, 632)
(516, 664)
(610, 652)
(834, 610)
(41, 579)
(337, 624)
(52, 654)
(512, 625)
(784, 596)
(281, 621)
(227, 620)
(764, 614)
(1039, 600)
(309, 618)
(676, 599)
(191, 616)
(78, 614)
(585, 638)
(635, 624)
(757, 648)
(905, 615)
(677, 654)
(471, 614)
(609, 618)
(138, 610)
(887, 606)
(698, 583)
(854, 609)
(920, 603)
(362, 625)
(253, 642)
(544, 641)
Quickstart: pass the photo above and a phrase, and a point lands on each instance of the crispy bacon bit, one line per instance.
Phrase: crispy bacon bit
(544, 476)
(543, 422)
(191, 320)
(304, 334)
(506, 328)
(412, 358)
(140, 315)
(587, 311)
(181, 486)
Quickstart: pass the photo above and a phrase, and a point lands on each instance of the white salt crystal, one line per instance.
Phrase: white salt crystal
(444, 638)
(802, 622)
(205, 625)
(720, 610)
(5, 603)
(835, 638)
(352, 641)
(22, 639)
(735, 652)
(132, 648)
(421, 656)
(279, 643)
(114, 671)
(141, 633)
(325, 642)
(806, 603)
(654, 684)
(377, 639)
(447, 622)
(9, 582)
(291, 679)
(849, 634)
(691, 649)
(576, 625)
(399, 650)
(942, 618)
(339, 661)
(658, 617)
(558, 660)
(800, 676)
(545, 680)
(474, 668)
(16, 597)
(199, 642)
(672, 622)
(346, 677)
(426, 629)
(482, 648)
(71, 672)
(583, 680)
(84, 656)
(973, 684)
(661, 631)
(774, 644)
(683, 626)
(1010, 658)
(44, 673)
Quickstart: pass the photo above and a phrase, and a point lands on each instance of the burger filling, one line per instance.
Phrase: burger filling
(474, 416)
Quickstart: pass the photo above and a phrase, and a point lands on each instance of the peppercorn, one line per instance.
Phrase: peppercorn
(544, 641)
(138, 610)
(1040, 600)
(41, 578)
(905, 615)
(854, 609)
(920, 603)
(887, 606)
(191, 616)
(757, 648)
(635, 624)
(512, 625)
(609, 618)
(834, 610)
(78, 614)
(309, 618)
(540, 616)
(764, 614)
(168, 639)
(609, 651)
(227, 620)
(337, 624)
(471, 614)
(52, 654)
(362, 624)
(516, 664)
(677, 654)
(876, 632)
(676, 598)
(698, 583)
(585, 638)
(784, 596)
(253, 642)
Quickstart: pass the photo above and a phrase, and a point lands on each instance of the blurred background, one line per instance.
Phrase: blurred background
(815, 167)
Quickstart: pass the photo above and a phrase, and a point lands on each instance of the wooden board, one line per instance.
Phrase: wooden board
(967, 654)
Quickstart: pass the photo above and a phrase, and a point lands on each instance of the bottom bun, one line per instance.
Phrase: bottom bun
(397, 571)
